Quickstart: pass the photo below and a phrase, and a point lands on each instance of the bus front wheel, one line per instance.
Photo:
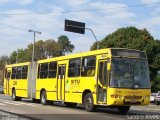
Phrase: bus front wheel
(88, 102)
(123, 109)
(43, 98)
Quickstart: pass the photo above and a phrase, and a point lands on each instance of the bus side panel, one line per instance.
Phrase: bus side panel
(74, 88)
(21, 87)
(89, 83)
(49, 85)
(72, 91)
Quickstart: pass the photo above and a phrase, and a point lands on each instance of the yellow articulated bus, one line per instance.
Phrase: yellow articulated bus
(117, 78)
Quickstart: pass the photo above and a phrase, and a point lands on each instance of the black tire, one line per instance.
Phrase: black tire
(43, 98)
(49, 102)
(123, 109)
(157, 103)
(35, 100)
(88, 102)
(69, 104)
(14, 97)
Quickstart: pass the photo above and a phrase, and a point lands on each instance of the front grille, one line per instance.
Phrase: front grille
(133, 97)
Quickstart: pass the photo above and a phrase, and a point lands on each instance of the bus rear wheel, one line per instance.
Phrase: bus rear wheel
(123, 109)
(43, 98)
(88, 102)
(14, 97)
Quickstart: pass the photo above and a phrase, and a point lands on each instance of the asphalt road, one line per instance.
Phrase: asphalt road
(27, 110)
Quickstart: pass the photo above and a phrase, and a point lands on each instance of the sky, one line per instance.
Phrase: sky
(102, 16)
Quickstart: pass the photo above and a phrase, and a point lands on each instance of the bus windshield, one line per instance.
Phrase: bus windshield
(129, 73)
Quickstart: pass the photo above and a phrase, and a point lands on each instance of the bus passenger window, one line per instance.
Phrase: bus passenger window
(14, 71)
(44, 70)
(74, 67)
(19, 72)
(8, 75)
(88, 66)
(52, 70)
(24, 72)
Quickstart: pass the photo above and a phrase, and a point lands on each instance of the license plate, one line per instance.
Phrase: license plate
(133, 100)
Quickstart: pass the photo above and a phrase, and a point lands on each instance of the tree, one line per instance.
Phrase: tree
(51, 48)
(18, 56)
(43, 50)
(39, 50)
(3, 61)
(134, 38)
(13, 57)
(65, 45)
(156, 83)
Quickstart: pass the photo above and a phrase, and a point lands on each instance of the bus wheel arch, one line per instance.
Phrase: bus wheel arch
(84, 93)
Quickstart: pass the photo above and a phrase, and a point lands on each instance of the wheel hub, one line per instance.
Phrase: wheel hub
(88, 102)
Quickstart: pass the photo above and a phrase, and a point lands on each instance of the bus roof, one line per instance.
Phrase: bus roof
(76, 55)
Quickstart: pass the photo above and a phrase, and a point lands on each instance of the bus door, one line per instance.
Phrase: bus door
(61, 82)
(8, 76)
(102, 82)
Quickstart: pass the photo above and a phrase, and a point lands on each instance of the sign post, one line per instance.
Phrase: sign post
(78, 27)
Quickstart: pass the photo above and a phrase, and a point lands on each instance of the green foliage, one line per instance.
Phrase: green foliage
(1, 77)
(3, 61)
(134, 38)
(156, 84)
(18, 56)
(65, 45)
(52, 48)
(39, 50)
(43, 50)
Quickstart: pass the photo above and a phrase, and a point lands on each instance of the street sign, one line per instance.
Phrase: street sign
(74, 26)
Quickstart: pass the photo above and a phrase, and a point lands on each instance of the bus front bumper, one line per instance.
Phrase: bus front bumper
(119, 101)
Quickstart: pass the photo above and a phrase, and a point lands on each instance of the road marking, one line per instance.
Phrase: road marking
(30, 104)
(2, 104)
(13, 103)
(17, 103)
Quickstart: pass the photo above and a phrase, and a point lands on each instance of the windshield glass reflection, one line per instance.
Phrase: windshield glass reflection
(129, 73)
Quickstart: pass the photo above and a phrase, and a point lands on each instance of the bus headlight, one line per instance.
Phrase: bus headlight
(146, 97)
